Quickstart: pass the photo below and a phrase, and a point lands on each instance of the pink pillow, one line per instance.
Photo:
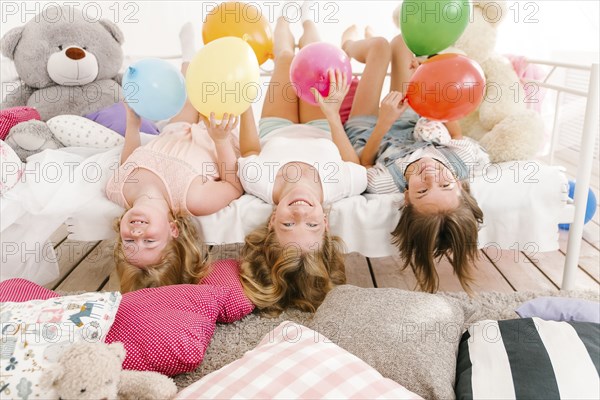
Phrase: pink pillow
(10, 117)
(19, 290)
(167, 329)
(295, 362)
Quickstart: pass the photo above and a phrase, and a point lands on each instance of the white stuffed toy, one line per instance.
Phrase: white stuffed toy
(503, 125)
(93, 371)
(431, 131)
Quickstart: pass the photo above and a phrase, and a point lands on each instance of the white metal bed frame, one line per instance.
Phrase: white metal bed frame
(584, 167)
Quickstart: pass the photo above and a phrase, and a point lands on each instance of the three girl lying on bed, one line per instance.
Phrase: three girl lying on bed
(293, 260)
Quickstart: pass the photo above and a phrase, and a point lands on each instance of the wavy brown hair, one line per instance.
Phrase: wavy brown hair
(184, 260)
(275, 277)
(424, 238)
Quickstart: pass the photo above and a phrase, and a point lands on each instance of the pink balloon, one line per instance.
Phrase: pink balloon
(310, 69)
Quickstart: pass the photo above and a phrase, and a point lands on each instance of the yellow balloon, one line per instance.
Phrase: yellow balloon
(243, 20)
(223, 77)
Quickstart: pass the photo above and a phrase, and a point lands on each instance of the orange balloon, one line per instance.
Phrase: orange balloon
(446, 87)
(241, 20)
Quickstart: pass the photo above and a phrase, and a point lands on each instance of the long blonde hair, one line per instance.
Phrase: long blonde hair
(275, 277)
(184, 260)
(423, 238)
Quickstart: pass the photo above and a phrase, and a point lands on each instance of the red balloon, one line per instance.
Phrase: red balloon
(446, 87)
(310, 67)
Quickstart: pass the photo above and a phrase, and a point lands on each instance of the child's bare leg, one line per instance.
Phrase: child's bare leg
(375, 53)
(310, 34)
(186, 36)
(402, 59)
(281, 100)
(309, 112)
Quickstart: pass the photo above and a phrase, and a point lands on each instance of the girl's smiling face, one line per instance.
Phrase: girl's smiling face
(299, 219)
(145, 231)
(432, 187)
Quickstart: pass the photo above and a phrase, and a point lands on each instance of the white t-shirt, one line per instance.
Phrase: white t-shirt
(306, 144)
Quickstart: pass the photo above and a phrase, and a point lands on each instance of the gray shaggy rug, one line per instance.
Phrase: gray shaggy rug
(231, 341)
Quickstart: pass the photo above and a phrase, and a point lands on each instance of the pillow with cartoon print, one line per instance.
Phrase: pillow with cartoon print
(35, 332)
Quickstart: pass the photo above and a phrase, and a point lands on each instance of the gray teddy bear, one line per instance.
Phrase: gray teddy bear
(68, 63)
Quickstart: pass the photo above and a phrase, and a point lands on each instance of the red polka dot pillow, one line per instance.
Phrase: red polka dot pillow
(73, 130)
(167, 329)
(10, 117)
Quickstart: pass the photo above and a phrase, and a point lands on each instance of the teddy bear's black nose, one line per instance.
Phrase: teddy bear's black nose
(75, 53)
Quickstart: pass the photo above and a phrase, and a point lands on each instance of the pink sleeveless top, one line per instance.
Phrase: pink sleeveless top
(177, 156)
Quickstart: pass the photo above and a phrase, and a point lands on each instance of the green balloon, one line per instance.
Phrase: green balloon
(430, 26)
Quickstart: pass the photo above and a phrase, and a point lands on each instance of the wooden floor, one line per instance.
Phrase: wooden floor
(89, 266)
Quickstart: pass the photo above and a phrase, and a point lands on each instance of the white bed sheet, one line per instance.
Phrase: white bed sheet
(522, 203)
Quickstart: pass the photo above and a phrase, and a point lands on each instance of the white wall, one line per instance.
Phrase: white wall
(564, 30)
(547, 29)
(538, 29)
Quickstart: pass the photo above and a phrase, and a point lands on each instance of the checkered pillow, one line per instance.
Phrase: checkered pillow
(295, 362)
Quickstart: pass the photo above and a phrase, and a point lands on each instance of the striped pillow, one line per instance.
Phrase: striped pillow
(529, 358)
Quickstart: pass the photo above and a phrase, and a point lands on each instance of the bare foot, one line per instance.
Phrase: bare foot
(350, 35)
(369, 32)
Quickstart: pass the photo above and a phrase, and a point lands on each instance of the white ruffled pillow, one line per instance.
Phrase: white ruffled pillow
(76, 131)
(11, 168)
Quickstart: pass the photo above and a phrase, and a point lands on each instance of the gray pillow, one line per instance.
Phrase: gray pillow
(409, 337)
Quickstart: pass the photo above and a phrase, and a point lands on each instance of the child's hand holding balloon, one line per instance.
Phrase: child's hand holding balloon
(311, 68)
(220, 132)
(392, 107)
(415, 62)
(338, 89)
